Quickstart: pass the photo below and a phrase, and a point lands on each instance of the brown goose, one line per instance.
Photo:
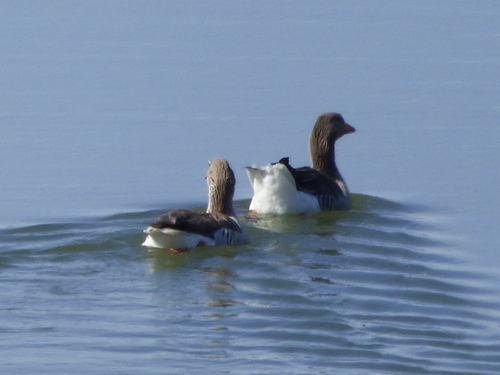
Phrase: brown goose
(280, 188)
(181, 230)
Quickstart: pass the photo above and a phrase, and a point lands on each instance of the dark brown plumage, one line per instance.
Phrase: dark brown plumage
(206, 224)
(330, 194)
(329, 127)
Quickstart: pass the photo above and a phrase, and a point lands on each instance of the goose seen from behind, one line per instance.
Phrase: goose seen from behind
(182, 230)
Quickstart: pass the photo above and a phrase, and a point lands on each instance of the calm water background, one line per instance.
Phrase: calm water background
(109, 112)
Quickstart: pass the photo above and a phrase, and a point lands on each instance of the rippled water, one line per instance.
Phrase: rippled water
(111, 109)
(376, 290)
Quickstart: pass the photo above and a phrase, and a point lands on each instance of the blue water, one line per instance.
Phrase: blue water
(109, 113)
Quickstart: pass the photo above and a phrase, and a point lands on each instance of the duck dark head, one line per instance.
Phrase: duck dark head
(221, 183)
(331, 126)
(328, 128)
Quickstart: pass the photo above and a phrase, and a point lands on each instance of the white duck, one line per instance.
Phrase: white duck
(182, 230)
(279, 188)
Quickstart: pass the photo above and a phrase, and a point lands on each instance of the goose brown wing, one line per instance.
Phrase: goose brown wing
(328, 191)
(311, 181)
(190, 221)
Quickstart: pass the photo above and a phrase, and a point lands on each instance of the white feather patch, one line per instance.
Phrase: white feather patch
(342, 187)
(275, 192)
(170, 238)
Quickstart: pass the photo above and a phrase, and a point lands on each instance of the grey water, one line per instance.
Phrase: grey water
(109, 112)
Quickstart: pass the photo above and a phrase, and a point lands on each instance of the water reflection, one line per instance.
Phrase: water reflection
(161, 259)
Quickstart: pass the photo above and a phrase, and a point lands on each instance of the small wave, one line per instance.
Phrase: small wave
(377, 289)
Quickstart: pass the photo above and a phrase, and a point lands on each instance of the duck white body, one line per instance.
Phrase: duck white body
(279, 188)
(168, 238)
(181, 230)
(275, 191)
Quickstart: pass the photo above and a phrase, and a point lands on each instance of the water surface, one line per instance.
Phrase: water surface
(109, 113)
(374, 290)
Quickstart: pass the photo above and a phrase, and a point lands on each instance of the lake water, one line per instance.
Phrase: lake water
(109, 112)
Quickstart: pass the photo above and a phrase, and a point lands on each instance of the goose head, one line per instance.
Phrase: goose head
(329, 127)
(221, 183)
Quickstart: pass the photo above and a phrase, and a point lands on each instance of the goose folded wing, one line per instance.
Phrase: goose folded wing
(311, 181)
(190, 221)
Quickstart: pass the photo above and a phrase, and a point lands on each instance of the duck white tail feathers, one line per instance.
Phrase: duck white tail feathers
(275, 191)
